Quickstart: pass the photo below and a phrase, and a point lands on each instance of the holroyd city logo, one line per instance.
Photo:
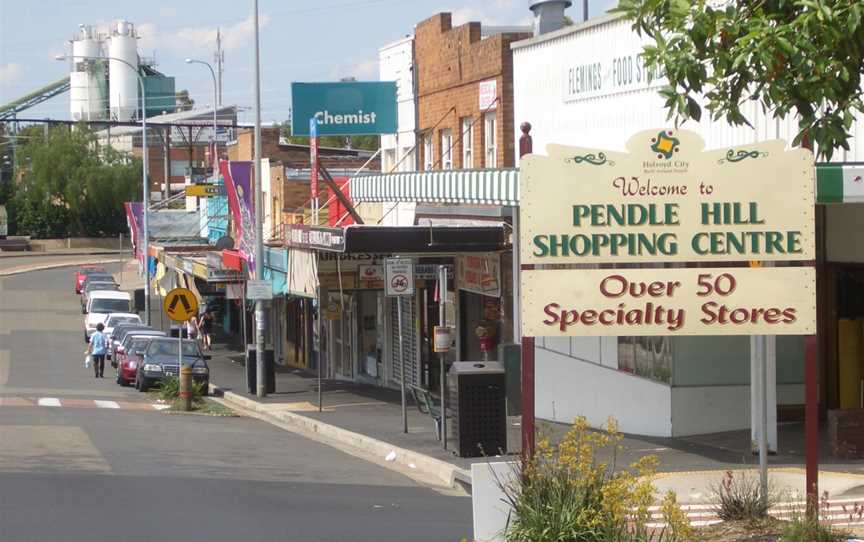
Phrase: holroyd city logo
(666, 146)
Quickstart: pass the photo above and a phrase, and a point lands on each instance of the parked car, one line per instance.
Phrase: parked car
(82, 272)
(161, 360)
(102, 303)
(95, 287)
(128, 355)
(98, 276)
(120, 332)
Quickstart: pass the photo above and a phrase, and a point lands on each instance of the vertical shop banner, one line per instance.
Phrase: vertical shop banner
(135, 221)
(238, 185)
(313, 156)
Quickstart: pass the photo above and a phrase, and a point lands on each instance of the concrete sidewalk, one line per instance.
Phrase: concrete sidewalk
(356, 415)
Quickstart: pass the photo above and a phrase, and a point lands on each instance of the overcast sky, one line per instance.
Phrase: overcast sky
(313, 40)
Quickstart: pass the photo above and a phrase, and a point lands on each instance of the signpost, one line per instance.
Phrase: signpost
(181, 305)
(665, 200)
(203, 190)
(399, 281)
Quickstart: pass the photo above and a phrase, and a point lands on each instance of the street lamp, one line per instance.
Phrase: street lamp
(146, 203)
(215, 94)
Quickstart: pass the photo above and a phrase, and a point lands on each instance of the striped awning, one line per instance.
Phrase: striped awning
(835, 183)
(467, 186)
(840, 183)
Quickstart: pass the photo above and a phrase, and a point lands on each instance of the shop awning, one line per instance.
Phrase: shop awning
(835, 183)
(473, 186)
(424, 239)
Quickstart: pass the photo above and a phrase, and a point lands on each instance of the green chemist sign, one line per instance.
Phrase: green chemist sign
(349, 108)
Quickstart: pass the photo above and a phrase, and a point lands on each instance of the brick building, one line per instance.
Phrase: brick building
(464, 94)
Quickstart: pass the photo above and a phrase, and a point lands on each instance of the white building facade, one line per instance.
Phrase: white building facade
(586, 85)
(398, 153)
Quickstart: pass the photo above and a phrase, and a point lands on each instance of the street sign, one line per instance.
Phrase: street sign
(259, 290)
(398, 276)
(203, 190)
(180, 304)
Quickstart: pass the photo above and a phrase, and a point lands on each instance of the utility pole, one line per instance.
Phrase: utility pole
(219, 60)
(259, 233)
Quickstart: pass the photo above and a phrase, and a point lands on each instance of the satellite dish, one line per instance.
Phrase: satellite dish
(225, 242)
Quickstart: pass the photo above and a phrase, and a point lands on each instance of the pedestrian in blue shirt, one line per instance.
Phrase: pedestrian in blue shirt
(97, 350)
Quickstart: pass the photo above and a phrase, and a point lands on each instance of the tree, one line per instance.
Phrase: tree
(184, 102)
(361, 142)
(72, 186)
(801, 57)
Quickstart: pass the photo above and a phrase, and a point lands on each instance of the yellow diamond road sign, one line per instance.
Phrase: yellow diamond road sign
(180, 304)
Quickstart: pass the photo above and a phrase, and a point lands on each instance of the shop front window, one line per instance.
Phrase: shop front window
(648, 357)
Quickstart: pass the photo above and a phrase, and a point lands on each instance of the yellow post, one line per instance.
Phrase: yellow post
(186, 387)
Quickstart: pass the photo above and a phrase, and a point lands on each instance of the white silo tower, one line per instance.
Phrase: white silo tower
(88, 98)
(123, 79)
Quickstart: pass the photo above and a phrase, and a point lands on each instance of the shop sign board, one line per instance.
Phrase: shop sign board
(429, 271)
(442, 338)
(667, 200)
(488, 91)
(479, 273)
(344, 108)
(398, 276)
(315, 237)
(669, 301)
(204, 190)
(259, 290)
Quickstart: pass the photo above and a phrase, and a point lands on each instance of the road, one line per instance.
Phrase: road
(74, 469)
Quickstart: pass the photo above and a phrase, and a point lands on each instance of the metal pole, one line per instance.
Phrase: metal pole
(216, 93)
(811, 424)
(761, 356)
(442, 317)
(402, 365)
(318, 342)
(259, 205)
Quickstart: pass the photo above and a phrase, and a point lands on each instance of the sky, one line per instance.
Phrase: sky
(313, 40)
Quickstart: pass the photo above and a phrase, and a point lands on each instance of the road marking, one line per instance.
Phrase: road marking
(106, 404)
(49, 401)
(157, 406)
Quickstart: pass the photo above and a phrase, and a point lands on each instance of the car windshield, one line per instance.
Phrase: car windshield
(117, 320)
(138, 345)
(109, 305)
(169, 348)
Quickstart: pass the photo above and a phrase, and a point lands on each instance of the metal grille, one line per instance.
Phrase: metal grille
(409, 312)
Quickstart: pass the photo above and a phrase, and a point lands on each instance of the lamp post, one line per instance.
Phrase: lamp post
(215, 97)
(259, 232)
(145, 182)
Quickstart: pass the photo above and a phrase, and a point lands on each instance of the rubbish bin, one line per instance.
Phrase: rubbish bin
(252, 370)
(478, 399)
(139, 300)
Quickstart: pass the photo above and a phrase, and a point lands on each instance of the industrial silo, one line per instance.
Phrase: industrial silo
(88, 91)
(123, 77)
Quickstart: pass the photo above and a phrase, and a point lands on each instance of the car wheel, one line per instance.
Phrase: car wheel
(144, 385)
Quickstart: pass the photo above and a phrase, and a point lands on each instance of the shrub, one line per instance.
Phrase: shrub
(739, 497)
(169, 390)
(565, 493)
(803, 529)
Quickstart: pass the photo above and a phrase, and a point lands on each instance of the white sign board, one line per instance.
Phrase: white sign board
(398, 276)
(488, 91)
(259, 289)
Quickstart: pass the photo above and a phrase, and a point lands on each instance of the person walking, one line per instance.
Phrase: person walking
(98, 349)
(192, 328)
(206, 323)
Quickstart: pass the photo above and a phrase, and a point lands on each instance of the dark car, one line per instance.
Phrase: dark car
(128, 355)
(161, 361)
(82, 273)
(95, 285)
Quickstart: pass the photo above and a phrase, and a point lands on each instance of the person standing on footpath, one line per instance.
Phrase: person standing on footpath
(98, 349)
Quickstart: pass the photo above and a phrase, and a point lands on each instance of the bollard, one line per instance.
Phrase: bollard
(186, 387)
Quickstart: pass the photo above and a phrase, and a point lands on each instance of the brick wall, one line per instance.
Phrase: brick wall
(451, 62)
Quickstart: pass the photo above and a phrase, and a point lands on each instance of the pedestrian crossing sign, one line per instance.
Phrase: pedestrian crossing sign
(180, 304)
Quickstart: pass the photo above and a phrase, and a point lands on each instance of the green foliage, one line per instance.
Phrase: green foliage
(73, 187)
(801, 57)
(169, 390)
(361, 142)
(739, 497)
(802, 529)
(565, 493)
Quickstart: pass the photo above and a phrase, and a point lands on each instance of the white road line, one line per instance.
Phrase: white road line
(49, 401)
(106, 404)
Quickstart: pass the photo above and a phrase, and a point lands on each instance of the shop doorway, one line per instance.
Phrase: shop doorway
(845, 329)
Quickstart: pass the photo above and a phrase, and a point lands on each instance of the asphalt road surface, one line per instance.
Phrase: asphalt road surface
(82, 459)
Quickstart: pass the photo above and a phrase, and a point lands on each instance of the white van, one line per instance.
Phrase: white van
(100, 304)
